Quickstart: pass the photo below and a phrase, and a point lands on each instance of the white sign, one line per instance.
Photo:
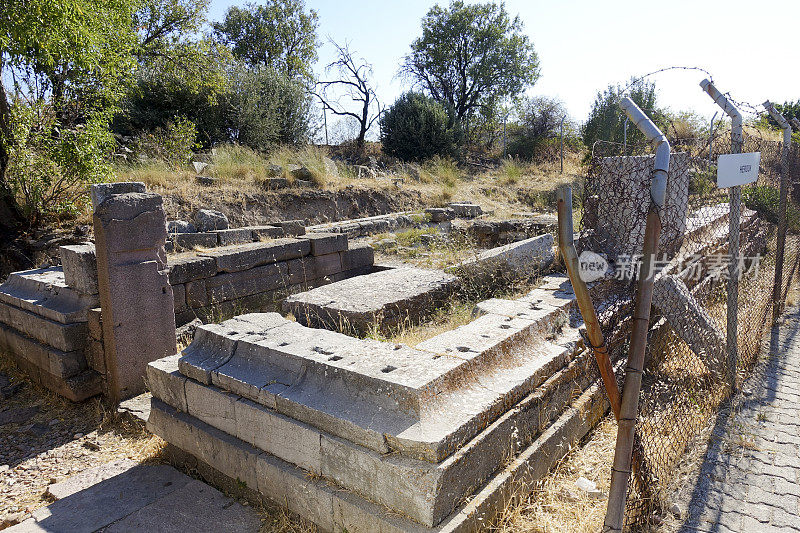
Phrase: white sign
(737, 169)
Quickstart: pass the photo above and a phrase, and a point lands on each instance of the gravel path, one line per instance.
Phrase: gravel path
(750, 479)
(44, 439)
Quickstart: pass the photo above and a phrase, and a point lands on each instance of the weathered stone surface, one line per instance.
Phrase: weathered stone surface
(45, 293)
(59, 363)
(208, 220)
(251, 255)
(292, 227)
(358, 255)
(190, 241)
(301, 173)
(180, 226)
(440, 214)
(179, 297)
(383, 298)
(229, 286)
(100, 191)
(79, 263)
(125, 496)
(228, 237)
(272, 184)
(65, 337)
(266, 232)
(136, 297)
(189, 268)
(522, 258)
(690, 321)
(466, 210)
(327, 265)
(333, 509)
(326, 243)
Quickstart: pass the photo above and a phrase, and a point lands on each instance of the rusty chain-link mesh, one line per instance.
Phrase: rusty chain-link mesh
(686, 374)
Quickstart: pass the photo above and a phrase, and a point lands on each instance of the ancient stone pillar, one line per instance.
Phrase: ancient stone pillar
(138, 317)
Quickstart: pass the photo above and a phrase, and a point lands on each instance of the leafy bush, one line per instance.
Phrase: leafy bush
(538, 125)
(174, 144)
(765, 200)
(416, 128)
(268, 108)
(50, 165)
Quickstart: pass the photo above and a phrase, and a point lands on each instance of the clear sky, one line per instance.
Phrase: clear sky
(750, 47)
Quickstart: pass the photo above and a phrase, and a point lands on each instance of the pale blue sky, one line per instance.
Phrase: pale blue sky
(751, 48)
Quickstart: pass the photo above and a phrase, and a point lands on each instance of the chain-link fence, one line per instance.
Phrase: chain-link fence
(687, 372)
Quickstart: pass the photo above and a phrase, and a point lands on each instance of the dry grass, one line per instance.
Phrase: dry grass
(555, 504)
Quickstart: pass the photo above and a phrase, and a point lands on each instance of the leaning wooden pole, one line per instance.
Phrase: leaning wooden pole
(566, 246)
(621, 470)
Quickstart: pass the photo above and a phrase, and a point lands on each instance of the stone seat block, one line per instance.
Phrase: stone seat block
(430, 490)
(247, 256)
(79, 263)
(266, 232)
(234, 285)
(386, 297)
(229, 237)
(371, 392)
(64, 337)
(45, 292)
(326, 243)
(189, 241)
(357, 256)
(52, 360)
(185, 268)
(524, 257)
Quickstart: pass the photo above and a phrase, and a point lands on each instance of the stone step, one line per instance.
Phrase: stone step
(384, 299)
(44, 292)
(334, 509)
(56, 362)
(126, 496)
(67, 337)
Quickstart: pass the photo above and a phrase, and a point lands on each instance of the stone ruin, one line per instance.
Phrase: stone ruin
(614, 224)
(352, 433)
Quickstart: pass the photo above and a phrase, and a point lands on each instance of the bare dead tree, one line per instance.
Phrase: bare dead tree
(354, 84)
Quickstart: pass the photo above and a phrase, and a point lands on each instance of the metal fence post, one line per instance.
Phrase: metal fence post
(734, 216)
(777, 288)
(561, 138)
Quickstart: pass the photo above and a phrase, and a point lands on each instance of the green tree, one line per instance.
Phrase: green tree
(69, 61)
(607, 121)
(265, 108)
(279, 34)
(417, 127)
(538, 121)
(163, 25)
(471, 56)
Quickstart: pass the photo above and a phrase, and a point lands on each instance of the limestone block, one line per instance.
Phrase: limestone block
(251, 255)
(96, 356)
(301, 270)
(385, 297)
(166, 382)
(279, 435)
(45, 292)
(358, 255)
(466, 210)
(188, 241)
(95, 324)
(189, 268)
(213, 408)
(292, 227)
(65, 337)
(327, 265)
(100, 191)
(179, 297)
(208, 220)
(136, 297)
(196, 295)
(80, 267)
(326, 243)
(228, 237)
(266, 232)
(229, 286)
(625, 181)
(524, 257)
(180, 226)
(58, 363)
(690, 321)
(440, 214)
